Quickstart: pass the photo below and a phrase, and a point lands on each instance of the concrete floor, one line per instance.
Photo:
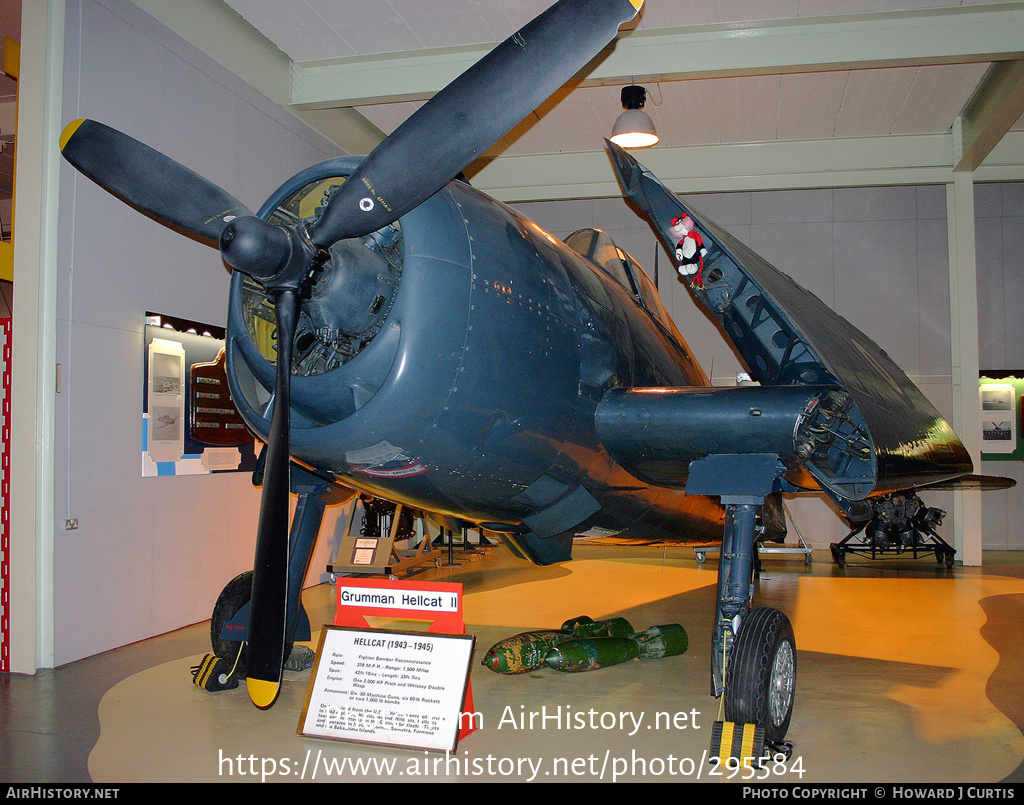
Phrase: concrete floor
(907, 673)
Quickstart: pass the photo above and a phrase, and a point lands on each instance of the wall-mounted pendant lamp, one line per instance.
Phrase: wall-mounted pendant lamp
(634, 127)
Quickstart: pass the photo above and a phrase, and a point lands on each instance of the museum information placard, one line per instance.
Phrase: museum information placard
(387, 687)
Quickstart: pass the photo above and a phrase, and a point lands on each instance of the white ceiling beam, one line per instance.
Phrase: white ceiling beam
(223, 35)
(996, 104)
(850, 41)
(964, 34)
(850, 162)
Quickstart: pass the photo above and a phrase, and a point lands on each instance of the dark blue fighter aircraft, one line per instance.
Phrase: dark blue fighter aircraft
(433, 347)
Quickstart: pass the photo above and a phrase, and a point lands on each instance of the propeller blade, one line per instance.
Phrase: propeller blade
(270, 571)
(148, 180)
(469, 115)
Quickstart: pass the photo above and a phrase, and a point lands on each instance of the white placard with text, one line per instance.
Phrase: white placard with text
(388, 687)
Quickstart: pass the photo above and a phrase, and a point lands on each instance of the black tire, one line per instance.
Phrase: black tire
(760, 682)
(233, 597)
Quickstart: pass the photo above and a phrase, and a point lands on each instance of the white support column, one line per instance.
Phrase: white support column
(33, 371)
(963, 309)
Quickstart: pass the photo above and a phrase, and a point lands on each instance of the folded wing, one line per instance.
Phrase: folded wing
(840, 409)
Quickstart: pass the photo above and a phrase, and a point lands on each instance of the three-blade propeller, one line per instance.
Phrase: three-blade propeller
(436, 143)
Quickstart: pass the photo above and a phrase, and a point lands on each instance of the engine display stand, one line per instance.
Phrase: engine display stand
(901, 526)
(927, 545)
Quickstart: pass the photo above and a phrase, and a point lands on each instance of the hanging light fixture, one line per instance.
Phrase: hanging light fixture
(634, 127)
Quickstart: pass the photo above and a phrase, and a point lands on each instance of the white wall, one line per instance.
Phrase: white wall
(878, 256)
(150, 554)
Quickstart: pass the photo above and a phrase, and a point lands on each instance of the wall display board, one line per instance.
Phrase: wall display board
(190, 423)
(390, 688)
(1000, 400)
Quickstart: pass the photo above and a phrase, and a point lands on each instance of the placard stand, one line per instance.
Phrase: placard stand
(434, 601)
(371, 555)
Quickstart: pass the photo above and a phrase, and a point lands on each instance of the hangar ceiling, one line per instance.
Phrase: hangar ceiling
(745, 94)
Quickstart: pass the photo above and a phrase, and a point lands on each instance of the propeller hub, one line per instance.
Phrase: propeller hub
(254, 247)
(278, 257)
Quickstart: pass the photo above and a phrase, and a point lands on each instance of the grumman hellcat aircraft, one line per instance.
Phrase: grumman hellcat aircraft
(437, 349)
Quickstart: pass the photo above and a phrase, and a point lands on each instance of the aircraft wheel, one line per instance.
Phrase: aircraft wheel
(760, 678)
(233, 597)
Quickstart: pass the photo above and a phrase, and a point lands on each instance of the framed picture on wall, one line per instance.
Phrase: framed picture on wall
(1000, 418)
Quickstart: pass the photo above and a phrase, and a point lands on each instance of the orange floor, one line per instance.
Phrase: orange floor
(907, 673)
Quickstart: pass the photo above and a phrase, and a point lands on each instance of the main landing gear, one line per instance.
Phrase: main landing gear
(754, 661)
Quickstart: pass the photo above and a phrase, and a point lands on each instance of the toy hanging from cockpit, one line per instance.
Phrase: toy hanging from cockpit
(690, 250)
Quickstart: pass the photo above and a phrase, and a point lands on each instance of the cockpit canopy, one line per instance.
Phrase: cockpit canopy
(619, 264)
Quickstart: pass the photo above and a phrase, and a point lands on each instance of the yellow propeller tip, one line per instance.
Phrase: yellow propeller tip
(262, 692)
(69, 131)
